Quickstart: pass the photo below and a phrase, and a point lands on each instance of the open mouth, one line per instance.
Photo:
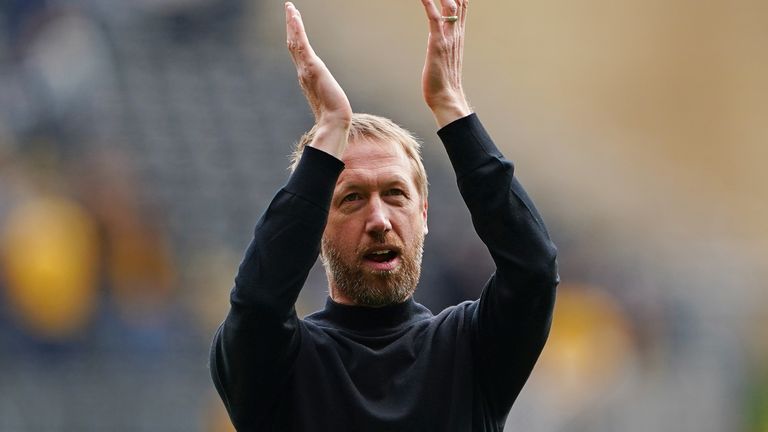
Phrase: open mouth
(381, 256)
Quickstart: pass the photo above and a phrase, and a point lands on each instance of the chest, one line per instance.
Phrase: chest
(419, 379)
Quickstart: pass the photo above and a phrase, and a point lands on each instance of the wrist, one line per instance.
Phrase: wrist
(448, 113)
(331, 136)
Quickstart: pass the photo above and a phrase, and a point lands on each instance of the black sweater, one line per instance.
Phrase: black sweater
(396, 368)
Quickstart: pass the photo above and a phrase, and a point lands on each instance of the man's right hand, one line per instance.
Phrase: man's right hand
(325, 96)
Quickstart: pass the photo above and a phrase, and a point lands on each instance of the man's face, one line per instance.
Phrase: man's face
(373, 241)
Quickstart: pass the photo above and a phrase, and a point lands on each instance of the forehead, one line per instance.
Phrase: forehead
(370, 156)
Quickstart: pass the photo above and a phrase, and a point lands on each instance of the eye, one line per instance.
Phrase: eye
(354, 196)
(395, 192)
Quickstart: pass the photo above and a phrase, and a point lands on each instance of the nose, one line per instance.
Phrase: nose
(378, 223)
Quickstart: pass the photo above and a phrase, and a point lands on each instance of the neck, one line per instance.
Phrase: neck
(339, 297)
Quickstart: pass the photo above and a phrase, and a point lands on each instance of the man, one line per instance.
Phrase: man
(373, 359)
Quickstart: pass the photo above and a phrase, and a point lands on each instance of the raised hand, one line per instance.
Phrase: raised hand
(442, 74)
(325, 96)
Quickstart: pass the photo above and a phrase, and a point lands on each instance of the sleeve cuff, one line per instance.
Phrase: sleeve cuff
(315, 177)
(468, 144)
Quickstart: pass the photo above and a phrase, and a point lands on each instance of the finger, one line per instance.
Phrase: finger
(449, 7)
(298, 43)
(456, 28)
(463, 4)
(433, 16)
(290, 29)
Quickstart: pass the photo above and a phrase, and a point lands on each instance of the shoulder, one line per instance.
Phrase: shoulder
(459, 314)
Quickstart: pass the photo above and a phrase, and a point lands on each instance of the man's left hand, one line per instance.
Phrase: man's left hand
(441, 78)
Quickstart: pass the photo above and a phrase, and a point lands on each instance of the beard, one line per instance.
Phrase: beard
(374, 288)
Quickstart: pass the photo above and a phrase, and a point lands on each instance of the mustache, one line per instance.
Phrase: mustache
(392, 243)
(380, 237)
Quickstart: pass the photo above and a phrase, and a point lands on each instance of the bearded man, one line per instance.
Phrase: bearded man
(373, 359)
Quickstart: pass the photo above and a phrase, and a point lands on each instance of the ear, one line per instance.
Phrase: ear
(424, 215)
(322, 241)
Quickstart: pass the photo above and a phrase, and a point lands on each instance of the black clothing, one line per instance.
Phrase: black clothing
(395, 368)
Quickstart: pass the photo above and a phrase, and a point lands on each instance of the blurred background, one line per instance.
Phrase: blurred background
(140, 141)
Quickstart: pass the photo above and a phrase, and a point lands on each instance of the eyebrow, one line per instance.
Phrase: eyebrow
(395, 180)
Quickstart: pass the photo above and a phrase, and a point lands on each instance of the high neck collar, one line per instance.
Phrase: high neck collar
(364, 318)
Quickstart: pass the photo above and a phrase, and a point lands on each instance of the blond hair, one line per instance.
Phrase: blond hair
(369, 126)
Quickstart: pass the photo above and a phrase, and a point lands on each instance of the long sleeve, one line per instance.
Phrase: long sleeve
(254, 348)
(512, 320)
